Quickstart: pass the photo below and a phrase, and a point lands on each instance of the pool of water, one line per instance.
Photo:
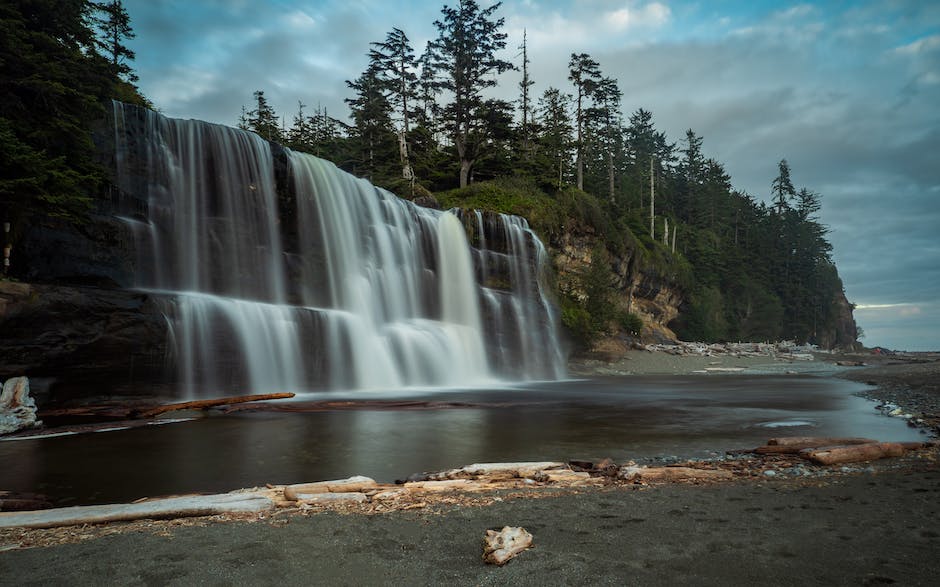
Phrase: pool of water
(618, 417)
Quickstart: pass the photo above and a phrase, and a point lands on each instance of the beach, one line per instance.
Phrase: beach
(874, 524)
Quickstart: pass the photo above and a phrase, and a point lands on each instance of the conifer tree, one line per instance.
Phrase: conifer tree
(115, 25)
(782, 187)
(372, 124)
(585, 74)
(263, 120)
(463, 60)
(556, 139)
(394, 62)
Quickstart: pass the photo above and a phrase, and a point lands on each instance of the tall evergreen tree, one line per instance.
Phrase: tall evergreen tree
(395, 64)
(585, 74)
(463, 59)
(53, 84)
(607, 97)
(525, 99)
(374, 134)
(782, 187)
(263, 120)
(115, 25)
(556, 136)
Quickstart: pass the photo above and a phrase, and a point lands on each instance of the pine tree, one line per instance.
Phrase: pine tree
(115, 25)
(585, 74)
(53, 84)
(263, 120)
(395, 65)
(525, 100)
(373, 129)
(556, 136)
(462, 60)
(782, 188)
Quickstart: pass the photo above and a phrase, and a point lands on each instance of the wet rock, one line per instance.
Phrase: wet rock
(17, 408)
(84, 341)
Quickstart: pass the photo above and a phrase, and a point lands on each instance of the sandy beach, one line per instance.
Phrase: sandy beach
(878, 524)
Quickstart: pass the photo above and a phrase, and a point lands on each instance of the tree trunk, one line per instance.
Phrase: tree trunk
(610, 174)
(211, 403)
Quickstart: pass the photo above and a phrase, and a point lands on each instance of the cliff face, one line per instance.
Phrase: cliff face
(75, 341)
(640, 289)
(843, 334)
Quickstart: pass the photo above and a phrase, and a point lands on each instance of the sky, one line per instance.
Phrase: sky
(848, 92)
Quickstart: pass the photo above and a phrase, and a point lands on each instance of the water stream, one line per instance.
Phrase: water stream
(617, 417)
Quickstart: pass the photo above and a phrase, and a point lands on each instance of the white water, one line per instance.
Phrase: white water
(329, 283)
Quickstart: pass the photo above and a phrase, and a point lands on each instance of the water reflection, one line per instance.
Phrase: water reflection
(621, 418)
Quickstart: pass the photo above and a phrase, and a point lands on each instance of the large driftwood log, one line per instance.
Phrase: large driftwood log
(661, 474)
(813, 441)
(500, 547)
(853, 454)
(356, 484)
(211, 403)
(793, 445)
(496, 471)
(172, 507)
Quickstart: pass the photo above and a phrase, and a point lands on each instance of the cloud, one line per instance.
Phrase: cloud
(920, 46)
(653, 14)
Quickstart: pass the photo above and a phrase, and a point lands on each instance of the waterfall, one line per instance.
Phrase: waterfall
(280, 272)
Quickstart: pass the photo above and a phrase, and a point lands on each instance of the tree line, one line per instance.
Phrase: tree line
(423, 123)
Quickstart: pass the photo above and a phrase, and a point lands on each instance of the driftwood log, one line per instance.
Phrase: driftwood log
(834, 455)
(171, 507)
(794, 445)
(663, 474)
(211, 403)
(303, 491)
(500, 547)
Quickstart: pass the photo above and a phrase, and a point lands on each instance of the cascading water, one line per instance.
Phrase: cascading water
(283, 273)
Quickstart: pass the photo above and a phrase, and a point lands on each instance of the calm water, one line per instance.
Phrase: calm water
(618, 417)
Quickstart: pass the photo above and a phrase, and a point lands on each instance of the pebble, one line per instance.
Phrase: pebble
(770, 473)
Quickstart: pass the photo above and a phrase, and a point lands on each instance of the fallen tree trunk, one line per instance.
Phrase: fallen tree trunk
(662, 474)
(793, 445)
(171, 507)
(211, 403)
(356, 484)
(834, 455)
(813, 441)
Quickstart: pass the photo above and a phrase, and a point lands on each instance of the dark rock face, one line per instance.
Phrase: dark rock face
(99, 253)
(77, 342)
(844, 333)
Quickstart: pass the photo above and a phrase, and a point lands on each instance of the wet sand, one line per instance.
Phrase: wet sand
(879, 526)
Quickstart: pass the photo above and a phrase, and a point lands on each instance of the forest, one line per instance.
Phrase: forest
(752, 267)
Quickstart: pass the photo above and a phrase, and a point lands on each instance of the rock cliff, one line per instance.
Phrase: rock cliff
(640, 288)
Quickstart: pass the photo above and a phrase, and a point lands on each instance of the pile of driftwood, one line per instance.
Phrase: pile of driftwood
(836, 451)
(787, 350)
(484, 479)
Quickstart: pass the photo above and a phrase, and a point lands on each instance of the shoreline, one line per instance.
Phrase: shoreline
(827, 528)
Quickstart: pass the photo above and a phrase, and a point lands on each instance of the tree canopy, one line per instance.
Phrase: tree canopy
(60, 60)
